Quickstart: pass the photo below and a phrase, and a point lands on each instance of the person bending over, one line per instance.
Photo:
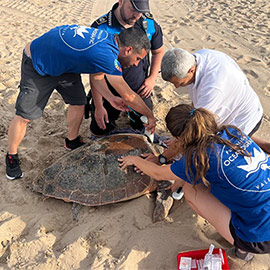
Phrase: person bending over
(225, 177)
(216, 83)
(55, 61)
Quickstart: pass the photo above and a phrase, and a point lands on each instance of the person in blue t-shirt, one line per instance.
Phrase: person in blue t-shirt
(141, 79)
(55, 60)
(225, 176)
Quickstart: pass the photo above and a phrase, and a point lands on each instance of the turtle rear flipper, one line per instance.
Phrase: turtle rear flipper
(164, 201)
(76, 207)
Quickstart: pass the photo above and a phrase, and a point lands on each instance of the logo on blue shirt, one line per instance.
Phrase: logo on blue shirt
(256, 162)
(80, 38)
(79, 30)
(117, 65)
(246, 173)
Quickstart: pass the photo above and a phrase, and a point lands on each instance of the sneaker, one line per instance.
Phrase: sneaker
(73, 144)
(243, 255)
(240, 254)
(13, 170)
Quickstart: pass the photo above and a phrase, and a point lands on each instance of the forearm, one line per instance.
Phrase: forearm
(131, 98)
(156, 63)
(97, 97)
(138, 105)
(155, 171)
(100, 89)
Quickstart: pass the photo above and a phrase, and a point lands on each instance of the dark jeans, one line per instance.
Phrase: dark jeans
(113, 115)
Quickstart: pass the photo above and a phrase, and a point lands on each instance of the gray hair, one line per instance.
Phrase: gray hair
(136, 38)
(176, 63)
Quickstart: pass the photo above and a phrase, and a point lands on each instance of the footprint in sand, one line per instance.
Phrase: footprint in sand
(267, 90)
(11, 228)
(252, 73)
(247, 59)
(176, 40)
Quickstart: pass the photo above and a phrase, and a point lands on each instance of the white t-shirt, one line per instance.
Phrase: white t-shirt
(221, 87)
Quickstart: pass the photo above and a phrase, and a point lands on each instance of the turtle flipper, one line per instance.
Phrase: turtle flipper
(75, 210)
(164, 201)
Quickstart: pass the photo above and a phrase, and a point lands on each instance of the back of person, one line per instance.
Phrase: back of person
(244, 182)
(57, 51)
(221, 87)
(241, 183)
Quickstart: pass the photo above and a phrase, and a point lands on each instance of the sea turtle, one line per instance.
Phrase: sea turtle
(90, 175)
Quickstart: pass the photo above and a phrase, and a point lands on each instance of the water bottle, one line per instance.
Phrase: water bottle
(147, 133)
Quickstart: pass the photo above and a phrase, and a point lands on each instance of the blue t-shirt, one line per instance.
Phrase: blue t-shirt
(241, 183)
(75, 49)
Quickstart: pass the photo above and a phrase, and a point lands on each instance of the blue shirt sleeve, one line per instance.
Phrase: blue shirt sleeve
(179, 167)
(157, 38)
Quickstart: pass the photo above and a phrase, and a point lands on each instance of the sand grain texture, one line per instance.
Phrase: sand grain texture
(38, 234)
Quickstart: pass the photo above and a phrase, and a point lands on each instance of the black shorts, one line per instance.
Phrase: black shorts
(253, 247)
(255, 129)
(35, 90)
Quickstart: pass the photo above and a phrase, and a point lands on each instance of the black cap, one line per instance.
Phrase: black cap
(141, 5)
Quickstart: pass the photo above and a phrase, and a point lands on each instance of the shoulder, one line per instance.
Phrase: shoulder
(148, 20)
(152, 25)
(203, 53)
(100, 21)
(148, 15)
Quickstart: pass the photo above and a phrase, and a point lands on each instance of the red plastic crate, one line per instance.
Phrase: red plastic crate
(199, 254)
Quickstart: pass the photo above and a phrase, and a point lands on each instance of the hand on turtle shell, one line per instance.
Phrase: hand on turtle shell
(126, 161)
(150, 157)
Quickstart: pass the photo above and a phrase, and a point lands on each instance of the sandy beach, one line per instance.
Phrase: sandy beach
(38, 233)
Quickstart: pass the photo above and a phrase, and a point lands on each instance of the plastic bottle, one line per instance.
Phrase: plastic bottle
(149, 135)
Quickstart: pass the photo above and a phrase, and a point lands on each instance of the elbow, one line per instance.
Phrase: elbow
(129, 98)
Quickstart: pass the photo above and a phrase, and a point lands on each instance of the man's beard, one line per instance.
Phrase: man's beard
(128, 21)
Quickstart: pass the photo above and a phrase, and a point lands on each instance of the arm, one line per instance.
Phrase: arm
(156, 62)
(149, 83)
(172, 150)
(101, 115)
(153, 170)
(169, 153)
(132, 99)
(97, 81)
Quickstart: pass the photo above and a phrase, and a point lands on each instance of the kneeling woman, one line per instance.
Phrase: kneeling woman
(224, 174)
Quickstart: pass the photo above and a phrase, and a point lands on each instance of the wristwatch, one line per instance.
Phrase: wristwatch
(162, 159)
